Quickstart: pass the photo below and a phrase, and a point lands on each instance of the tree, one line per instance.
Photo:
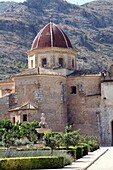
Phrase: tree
(16, 131)
(71, 138)
(68, 139)
(9, 132)
(7, 124)
(2, 131)
(59, 139)
(29, 130)
(8, 139)
(75, 137)
(50, 141)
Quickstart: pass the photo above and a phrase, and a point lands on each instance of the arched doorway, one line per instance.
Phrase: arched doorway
(112, 132)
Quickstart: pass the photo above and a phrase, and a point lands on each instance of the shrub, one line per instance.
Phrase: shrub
(72, 152)
(14, 163)
(85, 148)
(24, 141)
(1, 143)
(34, 153)
(79, 152)
(26, 149)
(31, 163)
(93, 147)
(68, 159)
(68, 139)
(92, 141)
(47, 162)
(53, 140)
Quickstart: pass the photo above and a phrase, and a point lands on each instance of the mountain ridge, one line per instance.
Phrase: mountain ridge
(88, 26)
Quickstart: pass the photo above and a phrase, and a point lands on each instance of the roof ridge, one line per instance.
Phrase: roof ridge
(63, 35)
(51, 34)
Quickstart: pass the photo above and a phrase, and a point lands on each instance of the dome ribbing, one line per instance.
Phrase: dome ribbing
(51, 36)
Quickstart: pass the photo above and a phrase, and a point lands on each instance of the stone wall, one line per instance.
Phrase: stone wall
(84, 105)
(48, 94)
(4, 107)
(90, 109)
(6, 88)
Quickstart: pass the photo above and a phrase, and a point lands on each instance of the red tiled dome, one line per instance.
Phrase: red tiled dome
(51, 36)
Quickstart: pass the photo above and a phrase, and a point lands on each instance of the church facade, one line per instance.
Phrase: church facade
(53, 85)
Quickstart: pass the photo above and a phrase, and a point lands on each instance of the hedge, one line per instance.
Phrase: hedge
(79, 152)
(25, 163)
(72, 153)
(85, 149)
(93, 147)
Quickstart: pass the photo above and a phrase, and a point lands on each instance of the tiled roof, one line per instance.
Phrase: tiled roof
(84, 72)
(27, 72)
(51, 36)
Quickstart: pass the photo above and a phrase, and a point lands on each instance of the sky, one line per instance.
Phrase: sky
(77, 2)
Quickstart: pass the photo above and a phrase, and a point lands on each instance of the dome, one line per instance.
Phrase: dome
(51, 36)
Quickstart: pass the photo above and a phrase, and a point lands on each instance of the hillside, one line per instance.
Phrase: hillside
(89, 27)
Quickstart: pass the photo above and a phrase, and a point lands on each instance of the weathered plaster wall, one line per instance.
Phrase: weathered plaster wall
(107, 93)
(106, 117)
(106, 113)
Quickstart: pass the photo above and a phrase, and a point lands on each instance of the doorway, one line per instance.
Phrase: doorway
(112, 133)
(13, 120)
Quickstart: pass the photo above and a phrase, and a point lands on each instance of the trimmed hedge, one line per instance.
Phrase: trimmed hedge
(25, 163)
(85, 149)
(79, 152)
(93, 147)
(72, 153)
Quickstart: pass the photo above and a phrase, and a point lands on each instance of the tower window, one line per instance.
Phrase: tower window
(60, 61)
(72, 63)
(73, 90)
(44, 62)
(25, 117)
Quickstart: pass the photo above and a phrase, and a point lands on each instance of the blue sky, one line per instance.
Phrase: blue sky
(79, 2)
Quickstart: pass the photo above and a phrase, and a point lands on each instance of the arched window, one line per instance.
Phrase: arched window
(61, 62)
(44, 62)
